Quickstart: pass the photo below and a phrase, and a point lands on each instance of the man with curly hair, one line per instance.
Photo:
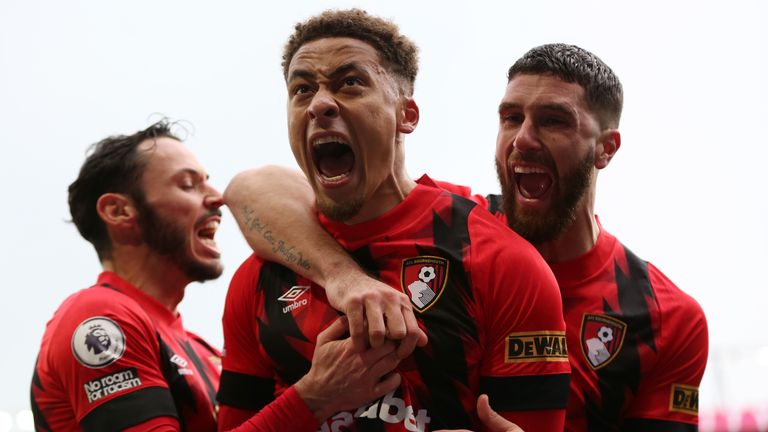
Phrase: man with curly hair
(494, 322)
(637, 343)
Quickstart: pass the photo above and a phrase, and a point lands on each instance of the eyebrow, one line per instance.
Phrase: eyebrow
(193, 172)
(555, 107)
(341, 70)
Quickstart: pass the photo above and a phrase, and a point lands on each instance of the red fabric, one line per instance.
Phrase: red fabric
(148, 339)
(662, 359)
(287, 412)
(495, 285)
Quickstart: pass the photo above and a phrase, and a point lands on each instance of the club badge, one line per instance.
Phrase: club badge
(423, 279)
(601, 338)
(98, 342)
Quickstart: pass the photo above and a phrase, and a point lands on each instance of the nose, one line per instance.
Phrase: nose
(323, 107)
(527, 139)
(213, 199)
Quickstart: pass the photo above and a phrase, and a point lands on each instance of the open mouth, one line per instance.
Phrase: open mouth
(333, 158)
(532, 182)
(206, 233)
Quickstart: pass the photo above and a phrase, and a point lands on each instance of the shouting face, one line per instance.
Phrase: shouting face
(545, 154)
(179, 210)
(345, 117)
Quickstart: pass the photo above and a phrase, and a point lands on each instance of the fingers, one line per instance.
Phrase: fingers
(415, 336)
(376, 328)
(491, 420)
(388, 384)
(395, 321)
(357, 327)
(333, 332)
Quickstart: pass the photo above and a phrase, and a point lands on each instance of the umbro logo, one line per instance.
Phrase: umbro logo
(293, 296)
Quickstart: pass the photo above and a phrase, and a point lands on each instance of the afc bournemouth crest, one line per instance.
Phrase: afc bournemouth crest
(423, 278)
(601, 338)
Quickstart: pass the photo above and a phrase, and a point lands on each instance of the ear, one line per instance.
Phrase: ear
(409, 117)
(119, 215)
(607, 145)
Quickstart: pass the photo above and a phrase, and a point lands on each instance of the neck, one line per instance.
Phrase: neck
(578, 238)
(150, 273)
(388, 195)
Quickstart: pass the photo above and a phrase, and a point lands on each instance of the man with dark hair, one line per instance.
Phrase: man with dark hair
(637, 343)
(116, 356)
(484, 297)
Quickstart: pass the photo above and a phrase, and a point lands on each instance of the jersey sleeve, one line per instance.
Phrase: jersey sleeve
(247, 383)
(669, 392)
(107, 355)
(525, 369)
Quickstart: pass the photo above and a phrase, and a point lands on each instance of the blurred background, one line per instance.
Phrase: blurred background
(686, 191)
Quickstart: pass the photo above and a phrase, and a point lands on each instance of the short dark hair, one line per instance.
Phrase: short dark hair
(397, 53)
(113, 165)
(573, 64)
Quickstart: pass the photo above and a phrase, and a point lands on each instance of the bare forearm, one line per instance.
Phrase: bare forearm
(274, 208)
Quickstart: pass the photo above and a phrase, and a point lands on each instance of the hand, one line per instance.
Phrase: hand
(385, 312)
(342, 378)
(492, 421)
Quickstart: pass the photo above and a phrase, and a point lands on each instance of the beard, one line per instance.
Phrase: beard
(166, 238)
(539, 228)
(340, 212)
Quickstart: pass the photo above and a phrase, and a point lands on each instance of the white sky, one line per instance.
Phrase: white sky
(685, 191)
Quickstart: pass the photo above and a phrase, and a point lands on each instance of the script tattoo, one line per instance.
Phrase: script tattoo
(289, 253)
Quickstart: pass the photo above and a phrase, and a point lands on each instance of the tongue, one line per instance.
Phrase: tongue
(332, 166)
(533, 186)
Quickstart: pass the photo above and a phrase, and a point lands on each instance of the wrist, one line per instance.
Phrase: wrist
(321, 407)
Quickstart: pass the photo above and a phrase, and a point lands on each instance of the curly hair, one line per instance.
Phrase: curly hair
(397, 53)
(570, 63)
(113, 165)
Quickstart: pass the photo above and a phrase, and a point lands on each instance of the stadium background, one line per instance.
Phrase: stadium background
(687, 189)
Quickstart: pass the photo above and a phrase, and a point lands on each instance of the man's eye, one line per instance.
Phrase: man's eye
(352, 81)
(553, 121)
(301, 89)
(512, 118)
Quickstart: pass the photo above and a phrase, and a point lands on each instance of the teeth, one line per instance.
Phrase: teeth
(528, 170)
(211, 225)
(209, 229)
(329, 139)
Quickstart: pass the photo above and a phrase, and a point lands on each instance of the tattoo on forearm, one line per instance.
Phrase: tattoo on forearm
(252, 223)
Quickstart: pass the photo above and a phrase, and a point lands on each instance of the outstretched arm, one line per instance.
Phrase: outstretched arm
(275, 210)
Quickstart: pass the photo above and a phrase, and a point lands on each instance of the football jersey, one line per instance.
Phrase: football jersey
(114, 357)
(486, 300)
(637, 343)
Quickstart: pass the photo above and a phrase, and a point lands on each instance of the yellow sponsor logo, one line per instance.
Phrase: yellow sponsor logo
(537, 346)
(684, 399)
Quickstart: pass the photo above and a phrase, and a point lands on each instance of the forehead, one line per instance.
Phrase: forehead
(536, 90)
(167, 157)
(327, 54)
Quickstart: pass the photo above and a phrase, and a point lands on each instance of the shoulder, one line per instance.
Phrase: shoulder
(490, 234)
(99, 301)
(675, 305)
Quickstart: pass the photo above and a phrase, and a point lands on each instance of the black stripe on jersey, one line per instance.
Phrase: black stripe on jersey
(41, 424)
(644, 425)
(495, 204)
(201, 369)
(274, 281)
(448, 323)
(130, 410)
(525, 393)
(622, 375)
(245, 391)
(181, 392)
